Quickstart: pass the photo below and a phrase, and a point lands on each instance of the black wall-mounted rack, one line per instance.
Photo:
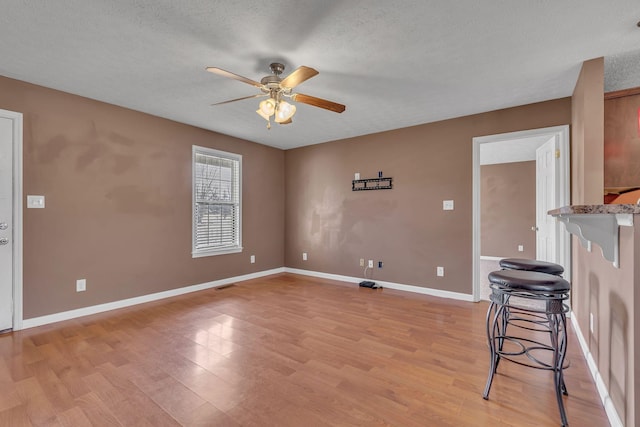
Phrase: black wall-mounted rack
(372, 184)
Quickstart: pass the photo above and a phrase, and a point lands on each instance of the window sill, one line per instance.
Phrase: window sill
(212, 252)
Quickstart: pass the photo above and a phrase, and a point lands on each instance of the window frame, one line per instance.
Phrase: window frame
(204, 252)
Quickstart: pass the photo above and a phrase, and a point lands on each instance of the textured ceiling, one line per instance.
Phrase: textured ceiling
(393, 63)
(622, 71)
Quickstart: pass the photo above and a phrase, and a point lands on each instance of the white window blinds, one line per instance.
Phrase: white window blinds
(216, 197)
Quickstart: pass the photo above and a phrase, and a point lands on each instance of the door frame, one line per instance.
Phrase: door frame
(17, 120)
(563, 241)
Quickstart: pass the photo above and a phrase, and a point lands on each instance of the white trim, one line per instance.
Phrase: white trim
(86, 311)
(211, 252)
(234, 157)
(390, 285)
(491, 258)
(17, 215)
(612, 414)
(563, 238)
(475, 213)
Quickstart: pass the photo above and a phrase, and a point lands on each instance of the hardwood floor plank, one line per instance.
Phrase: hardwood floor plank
(15, 417)
(97, 411)
(73, 417)
(282, 350)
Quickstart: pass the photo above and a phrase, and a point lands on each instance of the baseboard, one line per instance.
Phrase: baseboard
(609, 408)
(491, 258)
(389, 285)
(100, 308)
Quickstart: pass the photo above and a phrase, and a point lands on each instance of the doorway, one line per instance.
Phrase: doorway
(514, 143)
(10, 220)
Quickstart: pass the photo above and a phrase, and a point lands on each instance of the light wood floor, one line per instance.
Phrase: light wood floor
(280, 351)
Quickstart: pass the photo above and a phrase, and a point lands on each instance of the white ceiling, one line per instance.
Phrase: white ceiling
(393, 63)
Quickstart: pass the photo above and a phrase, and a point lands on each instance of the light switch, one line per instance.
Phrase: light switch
(35, 201)
(447, 205)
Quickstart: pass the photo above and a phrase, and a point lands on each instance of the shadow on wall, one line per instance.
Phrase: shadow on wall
(618, 348)
(594, 293)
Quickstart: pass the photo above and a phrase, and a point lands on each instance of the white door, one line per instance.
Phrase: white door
(6, 223)
(547, 173)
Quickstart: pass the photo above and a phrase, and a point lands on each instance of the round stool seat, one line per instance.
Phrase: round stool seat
(531, 265)
(531, 281)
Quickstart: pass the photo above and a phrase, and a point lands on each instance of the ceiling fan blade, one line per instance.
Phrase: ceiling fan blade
(318, 102)
(297, 76)
(240, 99)
(229, 74)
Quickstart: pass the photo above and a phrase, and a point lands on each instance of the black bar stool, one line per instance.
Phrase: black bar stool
(526, 264)
(524, 349)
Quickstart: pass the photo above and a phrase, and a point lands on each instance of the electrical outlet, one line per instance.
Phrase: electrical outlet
(520, 248)
(370, 263)
(253, 259)
(380, 264)
(440, 271)
(361, 262)
(81, 285)
(35, 202)
(447, 205)
(304, 256)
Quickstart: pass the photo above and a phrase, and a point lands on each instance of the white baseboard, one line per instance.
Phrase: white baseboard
(612, 414)
(100, 308)
(389, 285)
(609, 408)
(491, 258)
(86, 311)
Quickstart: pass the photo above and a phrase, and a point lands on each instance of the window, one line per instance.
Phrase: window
(217, 194)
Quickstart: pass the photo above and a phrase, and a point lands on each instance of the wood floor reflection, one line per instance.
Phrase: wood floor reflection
(283, 350)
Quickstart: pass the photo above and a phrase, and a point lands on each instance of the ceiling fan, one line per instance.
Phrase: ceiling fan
(276, 88)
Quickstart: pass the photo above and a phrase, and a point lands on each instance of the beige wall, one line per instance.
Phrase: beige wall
(118, 202)
(587, 135)
(405, 227)
(508, 209)
(598, 288)
(608, 293)
(622, 142)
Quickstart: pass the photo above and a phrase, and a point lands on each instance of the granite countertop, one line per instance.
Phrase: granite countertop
(595, 209)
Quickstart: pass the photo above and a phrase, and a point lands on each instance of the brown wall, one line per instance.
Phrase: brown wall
(587, 135)
(405, 227)
(608, 293)
(622, 142)
(118, 202)
(508, 209)
(598, 287)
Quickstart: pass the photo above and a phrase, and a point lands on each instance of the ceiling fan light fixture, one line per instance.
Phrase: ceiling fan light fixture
(284, 112)
(263, 115)
(267, 107)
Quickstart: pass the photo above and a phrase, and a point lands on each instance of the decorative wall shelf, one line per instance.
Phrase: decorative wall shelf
(599, 224)
(372, 184)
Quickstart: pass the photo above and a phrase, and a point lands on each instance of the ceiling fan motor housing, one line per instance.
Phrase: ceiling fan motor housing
(276, 68)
